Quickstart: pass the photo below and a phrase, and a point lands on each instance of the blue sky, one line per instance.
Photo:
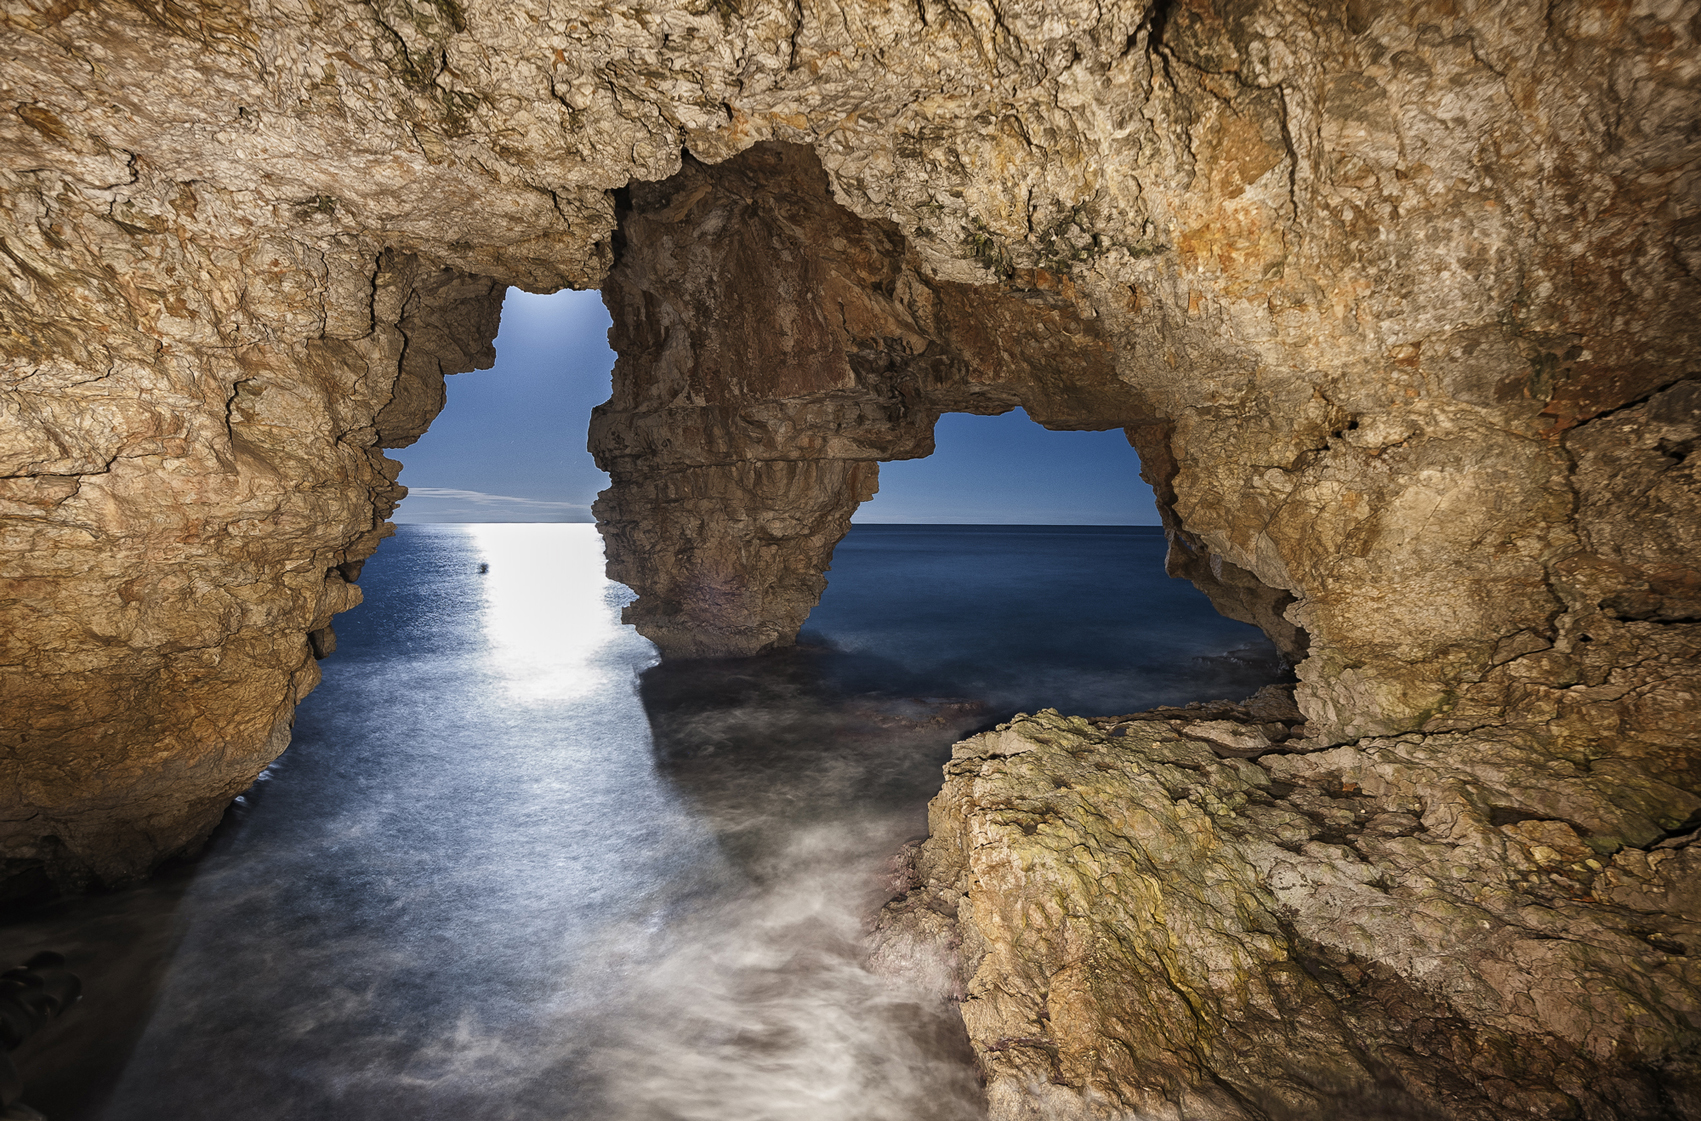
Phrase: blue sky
(510, 445)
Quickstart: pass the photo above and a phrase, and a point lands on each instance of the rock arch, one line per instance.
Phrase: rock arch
(1396, 300)
(774, 348)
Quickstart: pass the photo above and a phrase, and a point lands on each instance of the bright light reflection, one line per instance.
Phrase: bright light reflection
(547, 607)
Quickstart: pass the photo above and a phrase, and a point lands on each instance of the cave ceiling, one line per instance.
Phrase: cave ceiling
(1397, 302)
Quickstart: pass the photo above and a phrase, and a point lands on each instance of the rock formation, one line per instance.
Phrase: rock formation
(774, 348)
(1178, 916)
(1396, 301)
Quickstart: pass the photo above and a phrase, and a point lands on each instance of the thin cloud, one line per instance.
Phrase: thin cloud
(452, 504)
(480, 498)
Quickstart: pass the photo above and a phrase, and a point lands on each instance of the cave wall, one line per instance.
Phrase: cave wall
(181, 522)
(1396, 302)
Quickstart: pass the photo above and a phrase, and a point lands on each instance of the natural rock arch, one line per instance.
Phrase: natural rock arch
(774, 348)
(1397, 303)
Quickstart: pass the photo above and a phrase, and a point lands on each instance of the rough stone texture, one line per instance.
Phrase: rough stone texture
(1396, 301)
(773, 349)
(180, 524)
(1139, 921)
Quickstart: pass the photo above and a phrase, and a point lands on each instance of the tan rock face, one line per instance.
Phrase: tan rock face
(176, 548)
(1396, 301)
(1140, 923)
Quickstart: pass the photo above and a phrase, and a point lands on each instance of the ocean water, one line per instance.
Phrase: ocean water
(1077, 618)
(511, 868)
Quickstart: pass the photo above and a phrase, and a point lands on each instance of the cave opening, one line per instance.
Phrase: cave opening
(509, 444)
(775, 349)
(477, 778)
(1014, 567)
(1396, 302)
(1024, 567)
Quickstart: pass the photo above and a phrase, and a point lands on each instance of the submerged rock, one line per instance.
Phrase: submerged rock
(1449, 926)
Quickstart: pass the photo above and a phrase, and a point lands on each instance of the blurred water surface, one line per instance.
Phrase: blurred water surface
(511, 868)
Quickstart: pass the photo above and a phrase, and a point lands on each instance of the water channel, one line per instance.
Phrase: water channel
(511, 868)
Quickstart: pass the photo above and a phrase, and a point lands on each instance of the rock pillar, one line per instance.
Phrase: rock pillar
(774, 348)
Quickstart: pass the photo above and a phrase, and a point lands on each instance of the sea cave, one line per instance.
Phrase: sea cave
(1395, 301)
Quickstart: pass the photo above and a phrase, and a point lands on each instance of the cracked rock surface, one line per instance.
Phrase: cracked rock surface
(1397, 302)
(1138, 922)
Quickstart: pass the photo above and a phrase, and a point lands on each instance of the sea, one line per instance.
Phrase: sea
(513, 867)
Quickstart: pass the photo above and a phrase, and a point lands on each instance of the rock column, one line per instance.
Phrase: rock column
(774, 348)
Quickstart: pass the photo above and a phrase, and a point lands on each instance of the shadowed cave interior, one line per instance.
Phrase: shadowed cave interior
(826, 729)
(1395, 301)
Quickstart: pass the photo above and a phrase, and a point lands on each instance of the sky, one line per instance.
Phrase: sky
(510, 445)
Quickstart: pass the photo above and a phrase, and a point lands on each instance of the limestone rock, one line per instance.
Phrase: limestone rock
(219, 529)
(1143, 926)
(1395, 301)
(1354, 281)
(774, 348)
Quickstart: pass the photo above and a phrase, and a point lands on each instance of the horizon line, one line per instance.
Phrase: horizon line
(931, 525)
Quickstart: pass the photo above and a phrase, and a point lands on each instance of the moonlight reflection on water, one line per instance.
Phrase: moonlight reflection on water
(513, 869)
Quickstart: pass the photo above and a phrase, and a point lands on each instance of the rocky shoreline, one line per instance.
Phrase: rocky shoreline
(1150, 916)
